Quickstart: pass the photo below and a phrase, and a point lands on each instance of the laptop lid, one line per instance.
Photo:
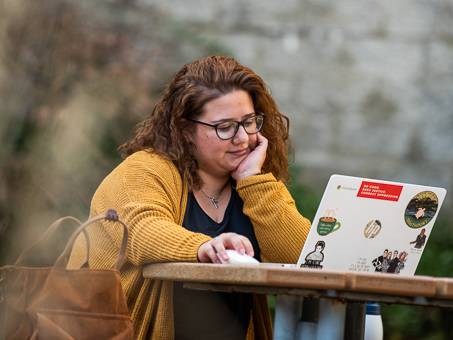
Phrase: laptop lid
(370, 225)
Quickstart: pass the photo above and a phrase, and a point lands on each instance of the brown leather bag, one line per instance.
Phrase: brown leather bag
(55, 303)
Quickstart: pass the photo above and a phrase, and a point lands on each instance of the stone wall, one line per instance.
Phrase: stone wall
(368, 85)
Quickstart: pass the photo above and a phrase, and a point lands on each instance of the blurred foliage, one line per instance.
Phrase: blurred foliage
(437, 258)
(75, 77)
(307, 198)
(409, 322)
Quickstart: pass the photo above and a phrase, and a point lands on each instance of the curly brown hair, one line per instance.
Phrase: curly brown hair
(166, 130)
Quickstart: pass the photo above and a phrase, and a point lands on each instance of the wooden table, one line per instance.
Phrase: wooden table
(343, 293)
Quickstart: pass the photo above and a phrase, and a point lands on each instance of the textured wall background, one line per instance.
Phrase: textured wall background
(368, 85)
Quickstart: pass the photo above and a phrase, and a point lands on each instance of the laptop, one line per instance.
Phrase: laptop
(368, 225)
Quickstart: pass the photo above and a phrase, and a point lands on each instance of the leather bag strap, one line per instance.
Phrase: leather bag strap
(110, 215)
(46, 235)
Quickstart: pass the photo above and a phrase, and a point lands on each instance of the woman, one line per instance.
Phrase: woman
(401, 262)
(204, 173)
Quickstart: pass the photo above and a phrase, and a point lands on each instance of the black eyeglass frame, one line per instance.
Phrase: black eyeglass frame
(238, 123)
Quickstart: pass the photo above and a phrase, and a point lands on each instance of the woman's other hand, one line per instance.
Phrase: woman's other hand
(251, 165)
(214, 250)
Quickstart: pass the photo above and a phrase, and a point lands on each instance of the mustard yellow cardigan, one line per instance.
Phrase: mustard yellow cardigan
(150, 196)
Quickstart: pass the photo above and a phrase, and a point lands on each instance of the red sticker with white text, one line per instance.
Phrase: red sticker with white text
(380, 191)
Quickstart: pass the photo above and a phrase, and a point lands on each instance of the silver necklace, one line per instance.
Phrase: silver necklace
(215, 200)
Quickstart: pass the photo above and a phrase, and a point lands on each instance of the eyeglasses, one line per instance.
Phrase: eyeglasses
(227, 130)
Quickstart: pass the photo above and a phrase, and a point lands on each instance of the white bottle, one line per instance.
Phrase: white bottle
(373, 322)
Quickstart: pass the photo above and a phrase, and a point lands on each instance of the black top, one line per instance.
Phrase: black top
(214, 315)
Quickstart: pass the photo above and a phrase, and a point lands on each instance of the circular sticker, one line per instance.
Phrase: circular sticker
(372, 229)
(421, 209)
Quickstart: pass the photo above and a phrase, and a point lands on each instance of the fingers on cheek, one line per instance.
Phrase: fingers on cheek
(261, 138)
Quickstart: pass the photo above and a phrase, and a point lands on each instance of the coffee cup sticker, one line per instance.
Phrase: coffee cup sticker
(327, 225)
(421, 209)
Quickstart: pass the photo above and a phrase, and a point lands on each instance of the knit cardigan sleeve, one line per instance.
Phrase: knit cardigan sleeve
(146, 191)
(279, 228)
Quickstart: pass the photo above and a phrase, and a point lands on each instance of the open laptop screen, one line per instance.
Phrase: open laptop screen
(371, 225)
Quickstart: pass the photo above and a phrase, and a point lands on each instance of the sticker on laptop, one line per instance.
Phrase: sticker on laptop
(380, 191)
(361, 265)
(420, 240)
(390, 261)
(372, 229)
(314, 258)
(421, 209)
(328, 223)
